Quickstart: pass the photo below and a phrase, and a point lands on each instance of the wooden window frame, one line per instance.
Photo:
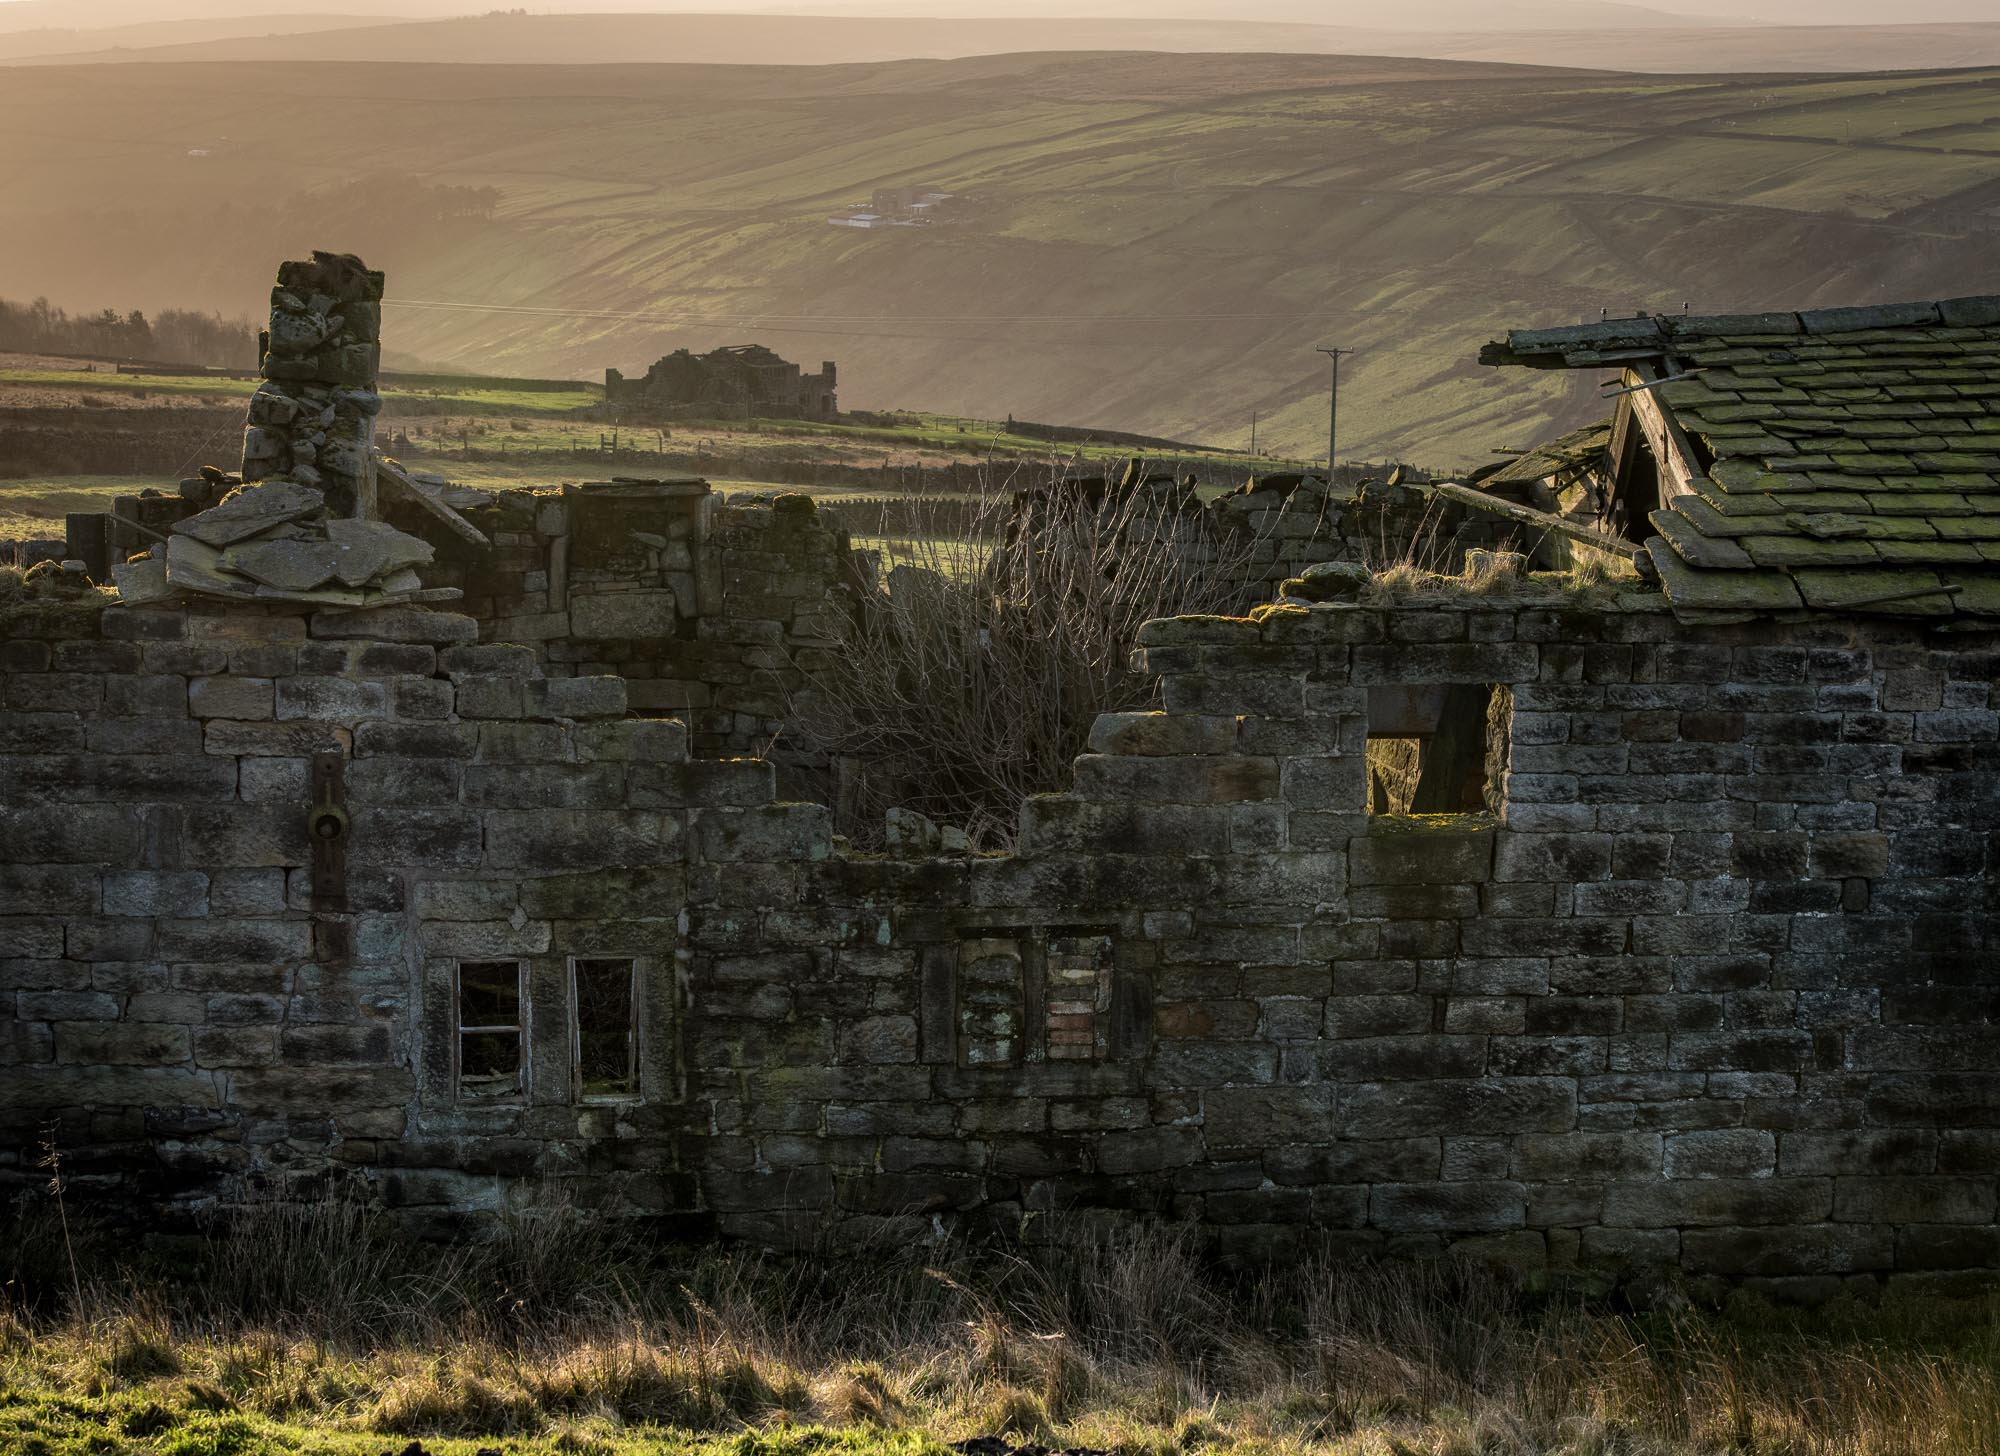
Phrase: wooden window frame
(461, 1030)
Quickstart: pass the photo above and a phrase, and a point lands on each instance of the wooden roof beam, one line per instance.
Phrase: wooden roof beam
(392, 474)
(1543, 521)
(1671, 448)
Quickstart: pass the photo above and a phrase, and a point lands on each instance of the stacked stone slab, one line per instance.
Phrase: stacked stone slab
(275, 541)
(312, 421)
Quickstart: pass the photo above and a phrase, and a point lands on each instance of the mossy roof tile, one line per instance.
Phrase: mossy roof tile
(1856, 452)
(1978, 592)
(1913, 552)
(1696, 546)
(1806, 551)
(1904, 592)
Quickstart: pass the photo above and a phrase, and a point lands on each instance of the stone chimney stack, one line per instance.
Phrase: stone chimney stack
(313, 419)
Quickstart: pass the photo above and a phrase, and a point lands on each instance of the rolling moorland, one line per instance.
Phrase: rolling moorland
(1146, 242)
(1607, 36)
(73, 436)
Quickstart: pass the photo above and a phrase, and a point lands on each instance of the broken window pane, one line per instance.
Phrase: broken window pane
(489, 1055)
(605, 1036)
(489, 1028)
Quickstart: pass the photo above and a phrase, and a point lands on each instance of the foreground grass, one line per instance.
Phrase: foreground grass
(320, 1330)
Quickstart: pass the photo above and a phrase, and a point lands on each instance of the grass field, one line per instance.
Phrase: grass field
(488, 436)
(472, 402)
(1146, 242)
(317, 1330)
(554, 416)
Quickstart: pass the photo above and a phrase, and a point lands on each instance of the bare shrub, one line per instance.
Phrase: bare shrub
(1004, 626)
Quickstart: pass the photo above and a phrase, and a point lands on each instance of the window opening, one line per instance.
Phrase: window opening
(604, 1028)
(991, 1006)
(1079, 997)
(1438, 750)
(489, 1029)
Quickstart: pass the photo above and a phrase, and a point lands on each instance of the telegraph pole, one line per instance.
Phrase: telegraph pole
(1334, 356)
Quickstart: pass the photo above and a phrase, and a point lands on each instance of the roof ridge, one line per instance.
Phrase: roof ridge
(1659, 329)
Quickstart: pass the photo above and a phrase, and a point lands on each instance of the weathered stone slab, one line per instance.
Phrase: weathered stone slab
(289, 566)
(193, 566)
(367, 550)
(251, 510)
(142, 581)
(638, 614)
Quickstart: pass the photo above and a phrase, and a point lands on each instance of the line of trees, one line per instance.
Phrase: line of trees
(395, 203)
(172, 336)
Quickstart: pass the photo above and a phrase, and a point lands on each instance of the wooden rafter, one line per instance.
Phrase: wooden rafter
(1669, 442)
(1540, 520)
(389, 473)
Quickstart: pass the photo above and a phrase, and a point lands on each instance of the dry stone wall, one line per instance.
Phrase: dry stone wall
(716, 609)
(1714, 992)
(707, 608)
(312, 420)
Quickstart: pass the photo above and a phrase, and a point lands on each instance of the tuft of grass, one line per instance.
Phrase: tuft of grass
(1008, 1410)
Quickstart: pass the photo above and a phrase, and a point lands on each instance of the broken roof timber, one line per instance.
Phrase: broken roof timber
(1836, 460)
(388, 470)
(1664, 436)
(1540, 520)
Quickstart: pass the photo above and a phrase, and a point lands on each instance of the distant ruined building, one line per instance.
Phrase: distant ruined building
(740, 381)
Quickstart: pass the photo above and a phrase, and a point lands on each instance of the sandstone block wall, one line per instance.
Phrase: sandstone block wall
(707, 608)
(1714, 991)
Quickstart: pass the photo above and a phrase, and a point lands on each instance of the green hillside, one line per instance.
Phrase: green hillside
(1145, 242)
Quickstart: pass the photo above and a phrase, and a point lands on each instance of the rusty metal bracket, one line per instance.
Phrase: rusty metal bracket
(326, 826)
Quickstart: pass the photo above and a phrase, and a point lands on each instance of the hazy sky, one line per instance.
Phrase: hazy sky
(74, 12)
(1841, 12)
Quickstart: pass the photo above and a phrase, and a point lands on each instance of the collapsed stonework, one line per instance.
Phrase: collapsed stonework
(1571, 928)
(1712, 991)
(714, 608)
(708, 608)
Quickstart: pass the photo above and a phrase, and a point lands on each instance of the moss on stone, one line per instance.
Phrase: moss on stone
(1431, 823)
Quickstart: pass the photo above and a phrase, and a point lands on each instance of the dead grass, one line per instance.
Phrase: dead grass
(559, 1337)
(1419, 568)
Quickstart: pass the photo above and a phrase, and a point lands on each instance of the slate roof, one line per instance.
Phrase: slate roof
(1856, 453)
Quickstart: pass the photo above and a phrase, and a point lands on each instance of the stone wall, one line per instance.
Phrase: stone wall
(710, 606)
(312, 420)
(706, 607)
(1714, 991)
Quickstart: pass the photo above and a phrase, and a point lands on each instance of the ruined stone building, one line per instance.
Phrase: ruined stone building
(1698, 969)
(740, 381)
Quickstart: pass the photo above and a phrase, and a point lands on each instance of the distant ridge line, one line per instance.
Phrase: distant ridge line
(687, 38)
